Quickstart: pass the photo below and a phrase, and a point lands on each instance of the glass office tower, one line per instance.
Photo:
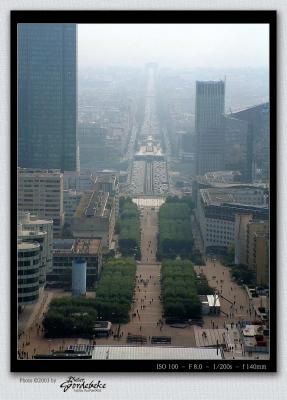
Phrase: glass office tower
(209, 110)
(47, 96)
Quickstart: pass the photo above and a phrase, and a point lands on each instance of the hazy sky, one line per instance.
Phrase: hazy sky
(174, 45)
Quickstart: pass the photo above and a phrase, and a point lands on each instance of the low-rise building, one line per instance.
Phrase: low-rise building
(218, 179)
(78, 181)
(68, 250)
(95, 218)
(110, 184)
(216, 210)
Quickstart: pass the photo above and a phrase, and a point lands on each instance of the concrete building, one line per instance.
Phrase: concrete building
(95, 218)
(71, 201)
(209, 126)
(237, 147)
(66, 251)
(109, 184)
(222, 179)
(216, 211)
(78, 181)
(258, 250)
(41, 193)
(33, 224)
(47, 95)
(28, 272)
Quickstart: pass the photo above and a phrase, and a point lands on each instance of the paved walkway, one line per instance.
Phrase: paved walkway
(209, 337)
(234, 302)
(149, 229)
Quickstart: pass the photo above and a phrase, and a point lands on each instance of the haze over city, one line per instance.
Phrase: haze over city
(174, 45)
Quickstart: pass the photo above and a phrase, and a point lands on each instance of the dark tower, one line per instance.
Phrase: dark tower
(47, 96)
(209, 110)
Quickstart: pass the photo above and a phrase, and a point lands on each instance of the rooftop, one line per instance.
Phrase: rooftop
(222, 176)
(25, 218)
(90, 246)
(27, 246)
(77, 246)
(40, 172)
(154, 353)
(106, 178)
(24, 233)
(214, 196)
(218, 196)
(93, 204)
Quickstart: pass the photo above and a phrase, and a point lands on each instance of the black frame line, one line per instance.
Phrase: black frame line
(142, 17)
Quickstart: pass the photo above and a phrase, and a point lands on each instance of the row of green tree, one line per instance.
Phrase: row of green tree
(203, 286)
(74, 316)
(175, 235)
(68, 317)
(114, 292)
(128, 229)
(179, 290)
(242, 274)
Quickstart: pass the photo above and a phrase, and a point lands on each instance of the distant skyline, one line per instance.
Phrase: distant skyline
(174, 45)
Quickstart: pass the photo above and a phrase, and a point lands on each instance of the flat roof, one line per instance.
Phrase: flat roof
(77, 246)
(27, 245)
(93, 204)
(218, 196)
(40, 172)
(90, 246)
(63, 244)
(154, 353)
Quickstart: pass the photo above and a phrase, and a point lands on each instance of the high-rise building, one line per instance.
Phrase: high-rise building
(236, 147)
(47, 96)
(209, 126)
(258, 146)
(41, 193)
